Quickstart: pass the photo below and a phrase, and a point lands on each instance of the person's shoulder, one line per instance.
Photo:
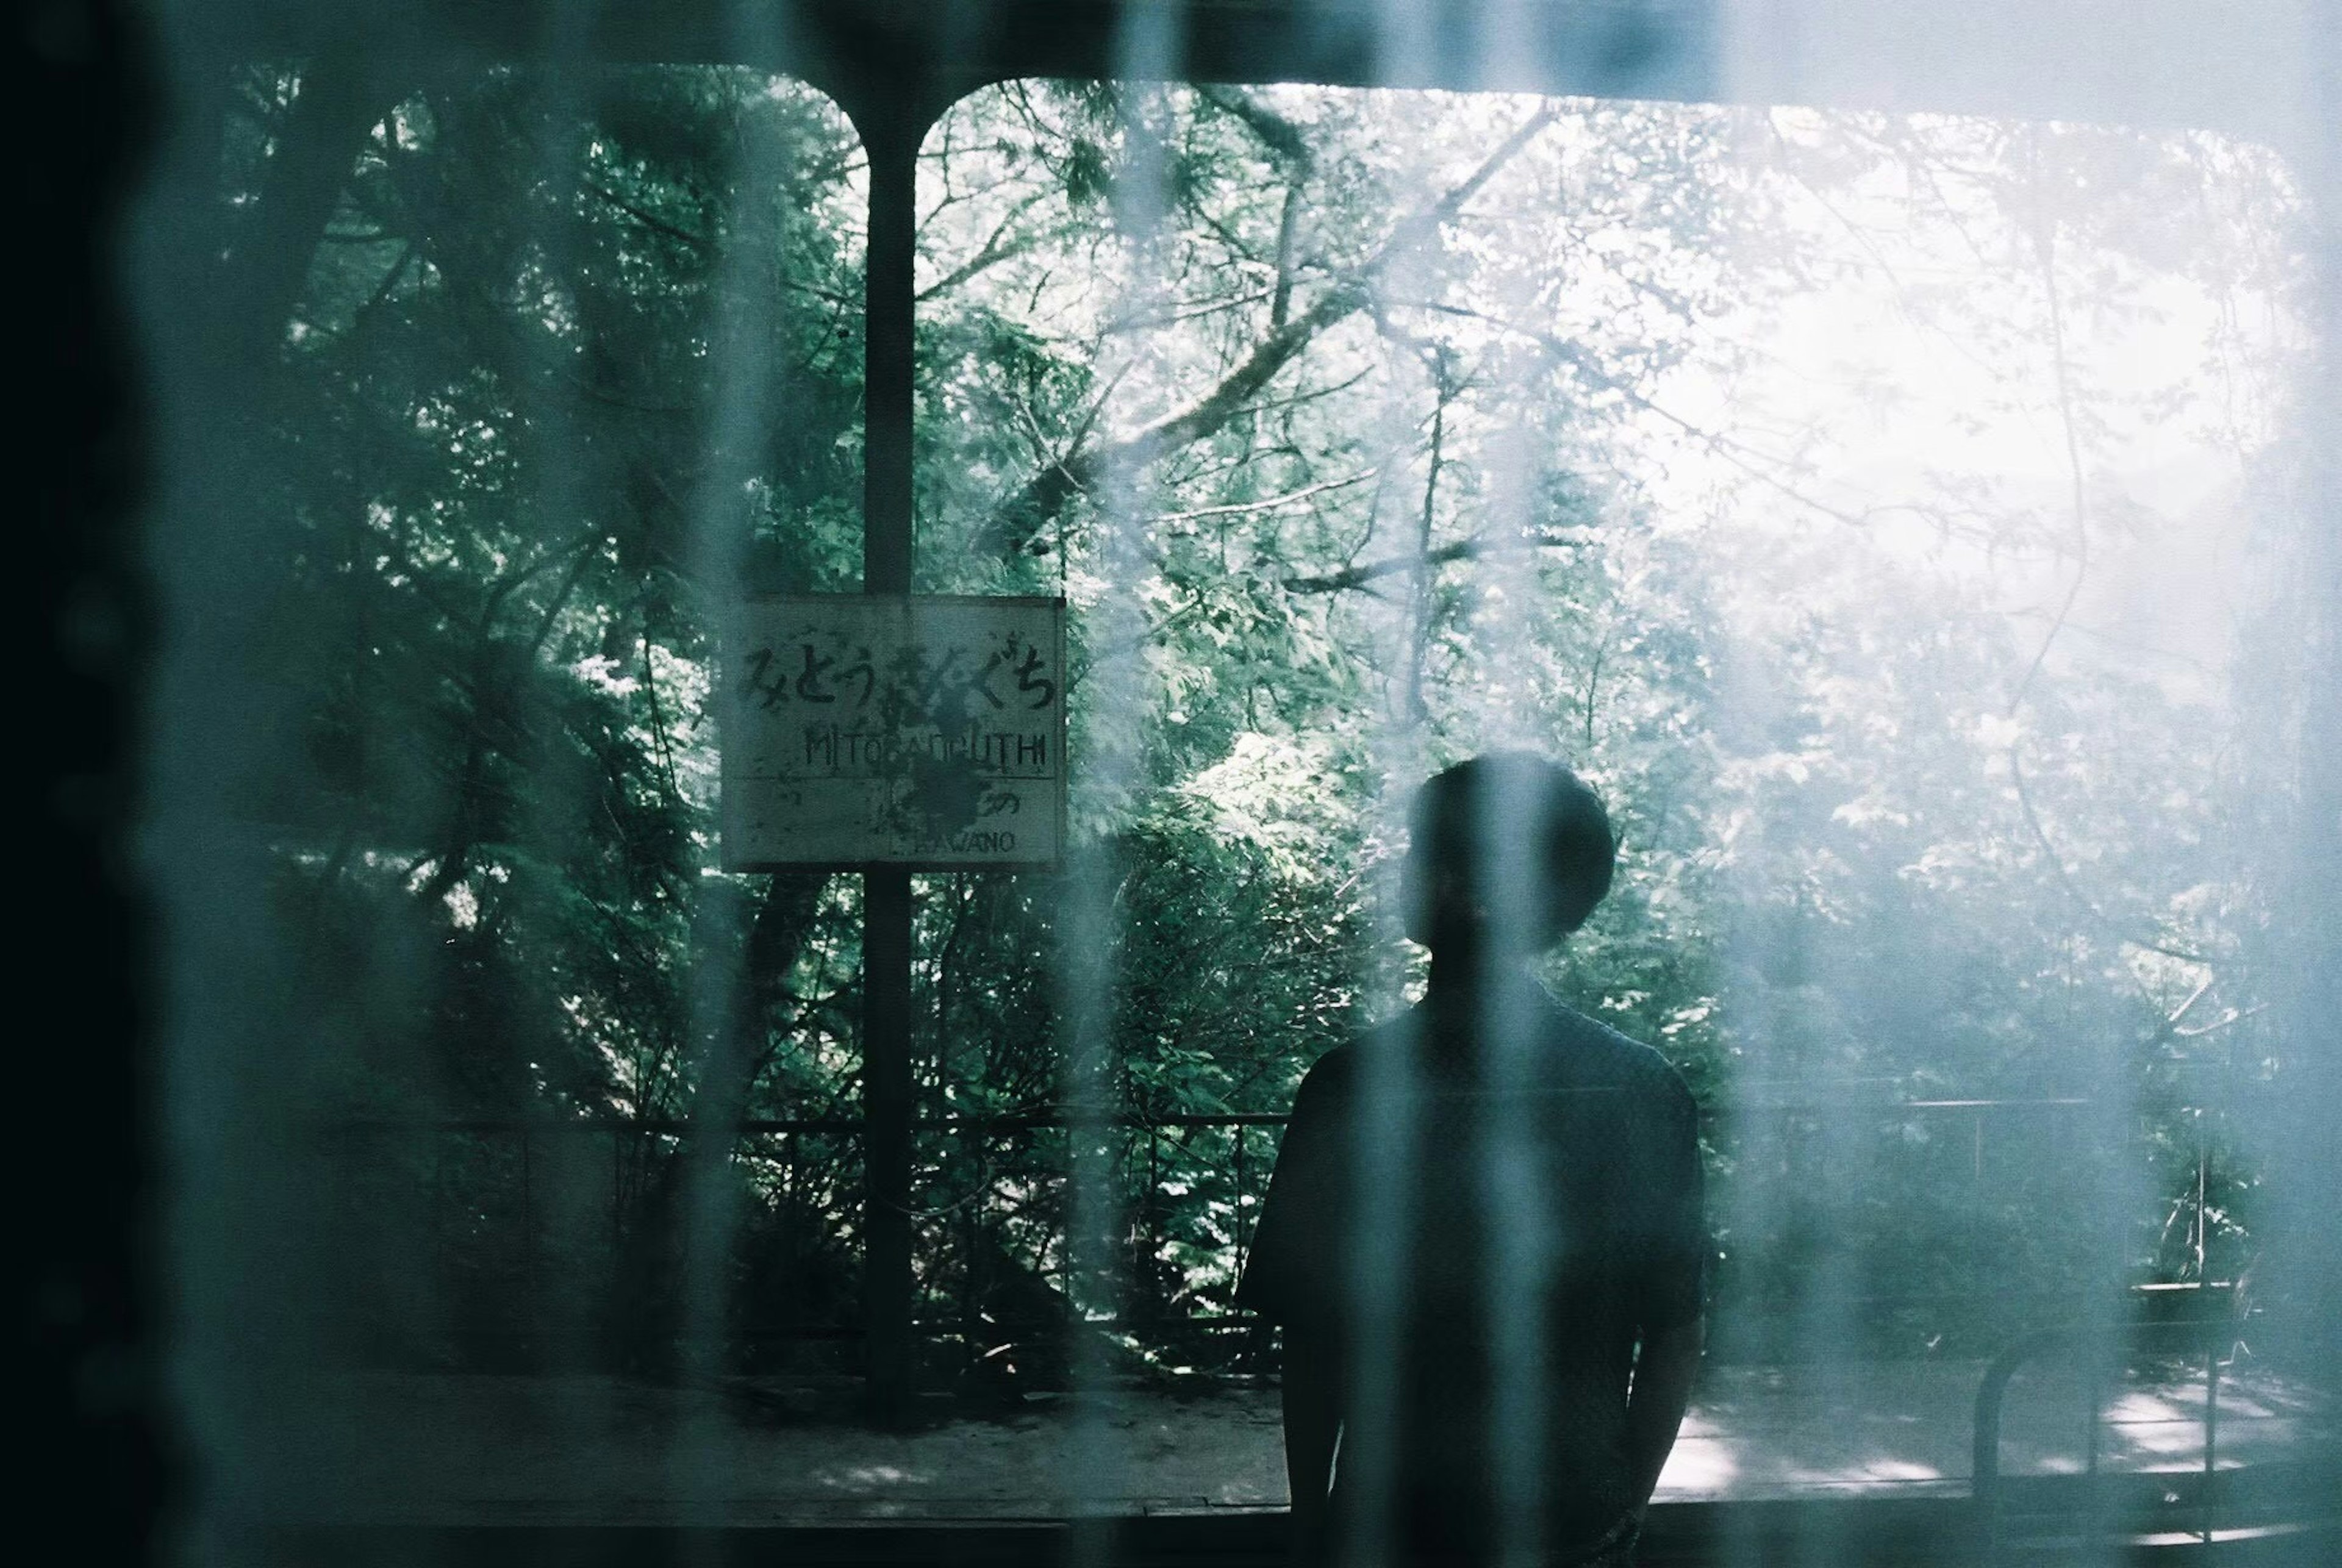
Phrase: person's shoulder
(1611, 1054)
(1335, 1077)
(1336, 1066)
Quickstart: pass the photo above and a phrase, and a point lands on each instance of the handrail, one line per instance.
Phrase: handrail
(1993, 1387)
(821, 1141)
(1019, 1121)
(1984, 1468)
(680, 1126)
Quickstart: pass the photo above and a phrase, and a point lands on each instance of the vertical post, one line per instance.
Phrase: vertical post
(1238, 1231)
(2211, 1429)
(527, 1240)
(2196, 1225)
(970, 1310)
(890, 140)
(1976, 1282)
(1151, 1274)
(887, 1138)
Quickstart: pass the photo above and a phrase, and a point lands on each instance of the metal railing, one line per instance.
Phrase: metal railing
(2083, 1515)
(488, 1178)
(779, 1146)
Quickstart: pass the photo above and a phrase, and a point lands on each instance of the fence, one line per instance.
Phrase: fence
(1873, 1224)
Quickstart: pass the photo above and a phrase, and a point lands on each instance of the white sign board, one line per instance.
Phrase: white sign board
(927, 732)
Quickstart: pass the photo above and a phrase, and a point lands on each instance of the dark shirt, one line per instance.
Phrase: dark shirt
(1461, 1163)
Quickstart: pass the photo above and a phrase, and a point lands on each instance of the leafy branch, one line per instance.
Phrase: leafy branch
(1021, 524)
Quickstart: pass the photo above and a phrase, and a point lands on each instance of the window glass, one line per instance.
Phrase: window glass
(1881, 512)
(539, 369)
(1890, 517)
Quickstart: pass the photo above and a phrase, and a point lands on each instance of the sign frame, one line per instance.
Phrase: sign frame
(750, 605)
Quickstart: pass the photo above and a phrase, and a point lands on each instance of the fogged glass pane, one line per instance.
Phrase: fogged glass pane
(1893, 519)
(564, 360)
(1888, 515)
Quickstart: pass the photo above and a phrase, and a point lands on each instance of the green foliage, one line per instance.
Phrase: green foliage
(1349, 424)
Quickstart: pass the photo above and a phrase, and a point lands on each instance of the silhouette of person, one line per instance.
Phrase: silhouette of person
(1484, 1239)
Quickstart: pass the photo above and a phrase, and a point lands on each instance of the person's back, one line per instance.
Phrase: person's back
(1481, 1209)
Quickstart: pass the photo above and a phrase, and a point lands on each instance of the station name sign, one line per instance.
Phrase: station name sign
(924, 732)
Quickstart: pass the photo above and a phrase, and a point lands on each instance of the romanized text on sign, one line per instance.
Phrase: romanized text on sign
(922, 731)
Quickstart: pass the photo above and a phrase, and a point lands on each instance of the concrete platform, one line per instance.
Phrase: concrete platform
(399, 1448)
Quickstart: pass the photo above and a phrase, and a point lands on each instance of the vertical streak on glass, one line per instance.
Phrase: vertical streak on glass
(1085, 916)
(224, 1035)
(1509, 1187)
(727, 1027)
(1505, 43)
(2117, 1185)
(1087, 931)
(1382, 1255)
(2309, 884)
(1755, 1211)
(2320, 858)
(175, 842)
(1088, 916)
(1407, 42)
(1512, 1195)
(567, 102)
(1526, 452)
(1382, 1248)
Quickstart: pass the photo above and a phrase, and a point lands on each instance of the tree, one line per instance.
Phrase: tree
(1362, 430)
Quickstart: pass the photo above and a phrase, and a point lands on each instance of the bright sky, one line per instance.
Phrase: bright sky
(1921, 374)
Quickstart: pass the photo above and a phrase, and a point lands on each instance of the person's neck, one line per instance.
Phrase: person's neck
(1461, 981)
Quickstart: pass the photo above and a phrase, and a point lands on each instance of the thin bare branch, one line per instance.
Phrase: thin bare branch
(1470, 549)
(1024, 517)
(1239, 508)
(998, 246)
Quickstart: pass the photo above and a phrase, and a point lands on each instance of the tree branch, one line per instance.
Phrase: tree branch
(1439, 556)
(1561, 351)
(648, 219)
(1291, 498)
(343, 93)
(997, 248)
(1024, 517)
(1277, 133)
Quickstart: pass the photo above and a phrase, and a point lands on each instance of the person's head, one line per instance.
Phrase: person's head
(1508, 854)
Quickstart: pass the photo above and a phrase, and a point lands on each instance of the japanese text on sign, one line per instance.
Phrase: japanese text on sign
(924, 731)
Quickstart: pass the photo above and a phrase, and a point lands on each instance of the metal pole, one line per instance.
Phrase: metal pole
(890, 141)
(1975, 1202)
(2211, 1430)
(529, 1315)
(886, 1137)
